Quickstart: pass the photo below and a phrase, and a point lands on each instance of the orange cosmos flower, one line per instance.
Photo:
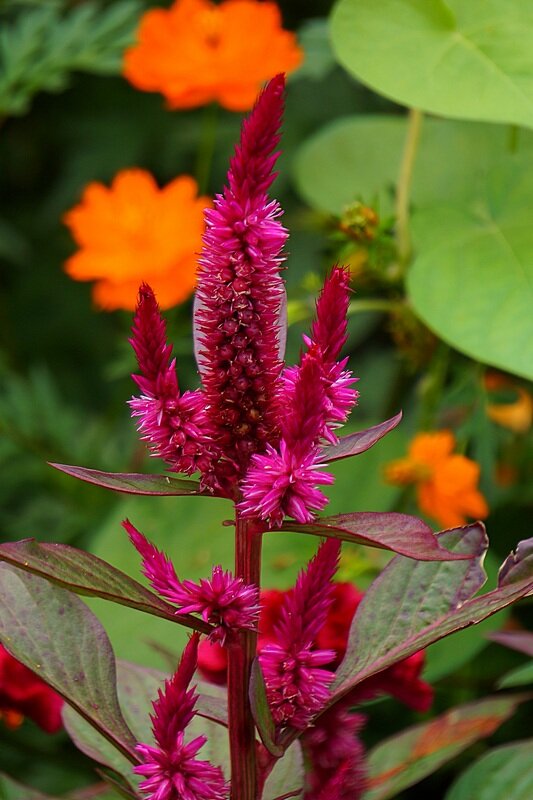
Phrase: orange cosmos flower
(446, 481)
(197, 52)
(136, 232)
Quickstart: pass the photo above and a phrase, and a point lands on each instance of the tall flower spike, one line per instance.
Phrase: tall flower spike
(174, 424)
(170, 768)
(224, 601)
(297, 686)
(284, 481)
(240, 293)
(329, 333)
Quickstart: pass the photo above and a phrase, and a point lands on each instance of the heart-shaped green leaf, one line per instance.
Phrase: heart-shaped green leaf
(450, 57)
(472, 281)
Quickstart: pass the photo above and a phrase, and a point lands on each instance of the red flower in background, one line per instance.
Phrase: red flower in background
(402, 680)
(24, 694)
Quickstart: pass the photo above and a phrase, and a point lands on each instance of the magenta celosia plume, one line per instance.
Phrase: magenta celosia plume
(254, 430)
(170, 768)
(297, 685)
(225, 602)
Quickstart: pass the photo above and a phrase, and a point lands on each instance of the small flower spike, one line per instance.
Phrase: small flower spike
(170, 768)
(297, 686)
(284, 481)
(329, 334)
(240, 294)
(222, 600)
(175, 425)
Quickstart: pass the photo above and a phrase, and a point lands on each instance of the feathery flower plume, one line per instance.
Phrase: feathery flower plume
(175, 425)
(336, 755)
(329, 333)
(223, 601)
(297, 686)
(240, 294)
(171, 770)
(284, 481)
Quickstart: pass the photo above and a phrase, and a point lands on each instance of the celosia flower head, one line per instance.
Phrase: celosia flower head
(170, 768)
(222, 600)
(24, 694)
(254, 431)
(296, 683)
(133, 232)
(196, 52)
(446, 482)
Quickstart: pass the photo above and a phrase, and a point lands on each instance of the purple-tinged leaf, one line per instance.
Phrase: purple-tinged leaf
(261, 711)
(359, 442)
(134, 482)
(52, 632)
(401, 533)
(95, 746)
(516, 640)
(413, 604)
(404, 759)
(85, 574)
(518, 564)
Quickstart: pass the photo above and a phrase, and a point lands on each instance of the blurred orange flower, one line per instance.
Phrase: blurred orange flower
(197, 52)
(446, 481)
(134, 232)
(517, 414)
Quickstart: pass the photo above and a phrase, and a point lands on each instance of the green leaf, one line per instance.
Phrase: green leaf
(447, 655)
(261, 711)
(52, 632)
(404, 759)
(133, 482)
(319, 59)
(505, 772)
(451, 58)
(40, 49)
(425, 602)
(521, 676)
(85, 574)
(472, 282)
(359, 158)
(287, 775)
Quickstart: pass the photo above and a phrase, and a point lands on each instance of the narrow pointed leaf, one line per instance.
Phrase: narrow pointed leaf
(423, 602)
(261, 711)
(516, 640)
(134, 482)
(504, 772)
(518, 565)
(359, 442)
(404, 759)
(85, 574)
(521, 676)
(52, 632)
(401, 533)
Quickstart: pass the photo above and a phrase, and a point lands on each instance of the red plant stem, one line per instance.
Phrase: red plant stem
(241, 652)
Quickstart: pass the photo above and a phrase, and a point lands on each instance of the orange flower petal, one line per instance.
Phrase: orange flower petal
(197, 52)
(134, 232)
(430, 448)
